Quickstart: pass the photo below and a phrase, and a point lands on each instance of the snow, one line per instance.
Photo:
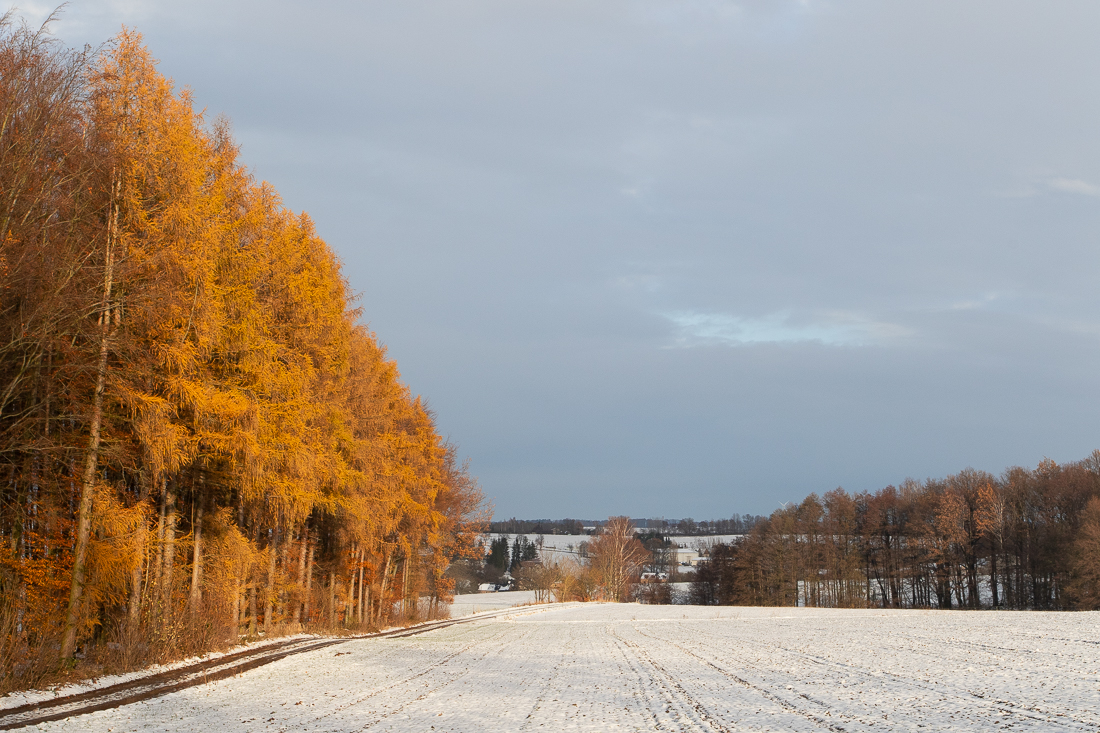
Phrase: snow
(16, 699)
(560, 543)
(464, 605)
(568, 543)
(627, 667)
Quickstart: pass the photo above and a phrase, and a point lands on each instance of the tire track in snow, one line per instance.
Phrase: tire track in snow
(641, 687)
(886, 680)
(759, 690)
(489, 652)
(964, 697)
(941, 690)
(671, 691)
(390, 688)
(555, 672)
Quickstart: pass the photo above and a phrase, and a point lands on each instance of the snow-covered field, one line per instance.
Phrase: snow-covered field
(464, 605)
(16, 699)
(602, 667)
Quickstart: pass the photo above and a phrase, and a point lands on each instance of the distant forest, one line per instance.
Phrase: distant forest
(1028, 539)
(197, 439)
(689, 527)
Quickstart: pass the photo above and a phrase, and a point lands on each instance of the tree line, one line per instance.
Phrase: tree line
(1028, 539)
(197, 439)
(737, 524)
(537, 526)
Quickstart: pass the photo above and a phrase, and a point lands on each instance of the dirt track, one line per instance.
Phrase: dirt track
(200, 673)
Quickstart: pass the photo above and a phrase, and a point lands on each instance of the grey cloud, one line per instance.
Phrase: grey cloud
(874, 224)
(827, 328)
(1073, 185)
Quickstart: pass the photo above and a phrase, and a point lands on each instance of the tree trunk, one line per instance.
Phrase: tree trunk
(348, 609)
(137, 572)
(169, 551)
(301, 576)
(280, 607)
(332, 598)
(309, 583)
(141, 540)
(382, 590)
(359, 600)
(993, 576)
(349, 606)
(158, 563)
(236, 608)
(196, 564)
(252, 580)
(405, 587)
(91, 461)
(49, 393)
(252, 608)
(269, 605)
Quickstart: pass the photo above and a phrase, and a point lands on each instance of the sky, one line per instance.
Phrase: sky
(688, 257)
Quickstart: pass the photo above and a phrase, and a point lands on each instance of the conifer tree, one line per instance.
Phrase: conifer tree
(196, 439)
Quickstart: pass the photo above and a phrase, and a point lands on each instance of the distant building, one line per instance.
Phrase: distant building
(686, 558)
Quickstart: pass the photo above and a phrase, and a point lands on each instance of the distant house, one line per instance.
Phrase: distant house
(684, 557)
(688, 557)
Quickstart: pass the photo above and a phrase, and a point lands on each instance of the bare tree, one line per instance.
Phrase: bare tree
(616, 558)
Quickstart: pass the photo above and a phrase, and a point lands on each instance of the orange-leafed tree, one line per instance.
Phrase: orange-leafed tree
(193, 429)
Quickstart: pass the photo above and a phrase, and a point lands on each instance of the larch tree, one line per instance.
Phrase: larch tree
(197, 440)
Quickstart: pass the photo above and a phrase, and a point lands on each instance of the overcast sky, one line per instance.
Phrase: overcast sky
(689, 258)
